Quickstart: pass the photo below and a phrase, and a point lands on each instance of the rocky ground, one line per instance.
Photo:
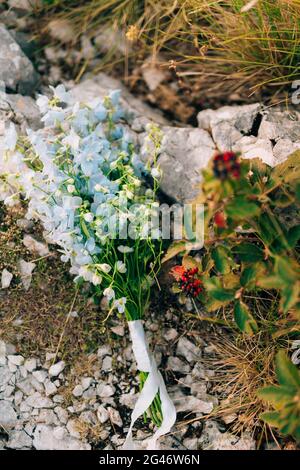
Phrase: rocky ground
(44, 402)
(44, 406)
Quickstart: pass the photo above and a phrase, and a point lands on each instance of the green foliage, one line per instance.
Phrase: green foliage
(253, 253)
(250, 268)
(284, 398)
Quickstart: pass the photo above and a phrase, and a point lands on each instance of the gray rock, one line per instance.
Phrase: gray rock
(30, 364)
(38, 401)
(212, 439)
(191, 443)
(177, 144)
(59, 433)
(16, 70)
(40, 375)
(47, 417)
(8, 391)
(240, 117)
(128, 399)
(252, 147)
(114, 416)
(104, 350)
(22, 110)
(57, 368)
(107, 364)
(44, 439)
(192, 404)
(283, 148)
(26, 386)
(72, 427)
(277, 124)
(88, 417)
(19, 440)
(6, 278)
(105, 390)
(34, 246)
(77, 391)
(86, 382)
(188, 350)
(102, 414)
(16, 360)
(50, 388)
(5, 376)
(177, 365)
(26, 268)
(62, 414)
(8, 415)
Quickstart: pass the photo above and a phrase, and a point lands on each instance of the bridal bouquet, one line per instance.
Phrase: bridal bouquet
(81, 176)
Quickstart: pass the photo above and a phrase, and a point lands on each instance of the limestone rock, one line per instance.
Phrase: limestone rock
(8, 415)
(16, 70)
(212, 439)
(57, 368)
(45, 438)
(19, 440)
(188, 350)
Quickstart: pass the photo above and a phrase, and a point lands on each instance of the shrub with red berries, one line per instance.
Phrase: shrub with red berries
(226, 165)
(188, 280)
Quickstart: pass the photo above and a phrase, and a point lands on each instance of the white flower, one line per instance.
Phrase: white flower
(43, 103)
(125, 249)
(121, 267)
(61, 94)
(88, 217)
(10, 138)
(71, 188)
(85, 272)
(104, 267)
(109, 293)
(119, 304)
(72, 140)
(96, 279)
(155, 173)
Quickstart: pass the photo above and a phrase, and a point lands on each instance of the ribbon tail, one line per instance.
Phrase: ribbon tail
(153, 384)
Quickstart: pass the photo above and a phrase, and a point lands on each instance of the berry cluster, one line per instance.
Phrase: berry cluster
(225, 165)
(189, 283)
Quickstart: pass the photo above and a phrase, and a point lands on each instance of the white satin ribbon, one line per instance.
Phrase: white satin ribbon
(154, 383)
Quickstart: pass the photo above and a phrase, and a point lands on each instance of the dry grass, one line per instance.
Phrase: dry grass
(210, 44)
(242, 366)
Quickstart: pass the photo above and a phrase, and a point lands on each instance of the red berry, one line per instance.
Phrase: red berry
(220, 220)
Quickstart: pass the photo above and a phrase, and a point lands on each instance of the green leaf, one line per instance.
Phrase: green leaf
(215, 289)
(286, 372)
(277, 396)
(239, 208)
(267, 230)
(269, 282)
(248, 252)
(174, 250)
(272, 418)
(289, 170)
(244, 319)
(289, 296)
(250, 274)
(222, 259)
(285, 269)
(293, 236)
